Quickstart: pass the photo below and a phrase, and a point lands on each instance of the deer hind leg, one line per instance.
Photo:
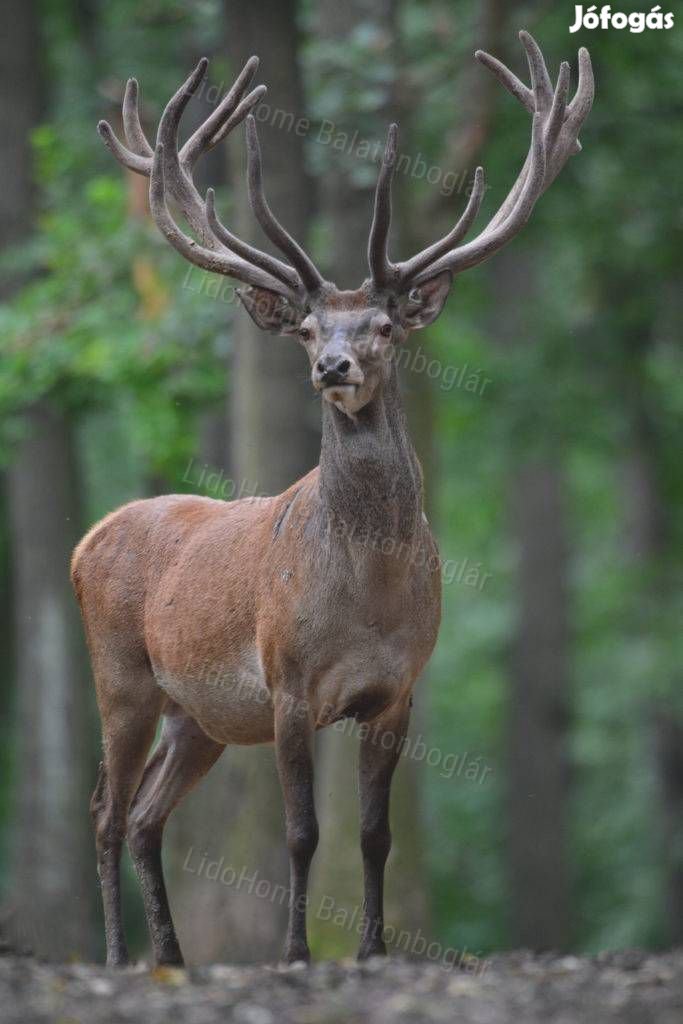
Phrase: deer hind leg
(380, 750)
(130, 704)
(184, 755)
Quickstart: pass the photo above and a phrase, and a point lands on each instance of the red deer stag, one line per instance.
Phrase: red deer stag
(314, 605)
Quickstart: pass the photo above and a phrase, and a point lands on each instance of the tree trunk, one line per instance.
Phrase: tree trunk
(7, 675)
(275, 421)
(669, 759)
(53, 872)
(647, 540)
(537, 720)
(52, 895)
(274, 440)
(21, 98)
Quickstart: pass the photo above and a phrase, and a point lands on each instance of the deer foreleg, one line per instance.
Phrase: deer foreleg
(294, 751)
(380, 749)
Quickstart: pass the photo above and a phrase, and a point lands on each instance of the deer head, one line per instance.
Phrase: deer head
(349, 336)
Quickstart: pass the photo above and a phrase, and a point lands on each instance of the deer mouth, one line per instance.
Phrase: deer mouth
(343, 389)
(340, 394)
(347, 398)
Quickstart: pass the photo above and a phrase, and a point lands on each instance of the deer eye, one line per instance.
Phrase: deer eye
(385, 330)
(304, 333)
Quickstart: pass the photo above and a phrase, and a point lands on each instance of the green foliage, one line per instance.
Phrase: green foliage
(84, 330)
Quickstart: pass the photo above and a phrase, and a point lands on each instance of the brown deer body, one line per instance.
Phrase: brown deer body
(264, 619)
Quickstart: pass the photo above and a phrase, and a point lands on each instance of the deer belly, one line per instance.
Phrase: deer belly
(229, 699)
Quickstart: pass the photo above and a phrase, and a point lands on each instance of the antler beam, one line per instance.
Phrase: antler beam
(554, 137)
(170, 172)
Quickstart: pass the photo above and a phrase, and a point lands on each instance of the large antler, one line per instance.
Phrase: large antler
(170, 173)
(554, 137)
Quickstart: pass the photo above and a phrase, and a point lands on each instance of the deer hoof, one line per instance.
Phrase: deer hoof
(296, 954)
(374, 948)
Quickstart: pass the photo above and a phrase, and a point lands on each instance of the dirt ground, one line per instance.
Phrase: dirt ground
(517, 988)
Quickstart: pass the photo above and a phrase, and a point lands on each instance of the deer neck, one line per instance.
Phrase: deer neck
(370, 477)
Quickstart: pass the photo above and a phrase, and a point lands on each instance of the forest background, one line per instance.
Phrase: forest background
(540, 802)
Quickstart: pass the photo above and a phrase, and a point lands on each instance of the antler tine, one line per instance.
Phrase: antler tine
(209, 259)
(238, 115)
(248, 252)
(555, 127)
(541, 86)
(490, 240)
(167, 132)
(132, 129)
(580, 107)
(554, 124)
(134, 162)
(558, 107)
(507, 79)
(180, 184)
(207, 135)
(381, 269)
(139, 156)
(308, 272)
(170, 171)
(410, 268)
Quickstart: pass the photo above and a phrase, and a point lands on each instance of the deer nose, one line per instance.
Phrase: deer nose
(333, 369)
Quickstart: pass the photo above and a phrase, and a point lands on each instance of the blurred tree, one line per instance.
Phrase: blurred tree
(650, 552)
(52, 876)
(53, 873)
(538, 699)
(669, 754)
(6, 681)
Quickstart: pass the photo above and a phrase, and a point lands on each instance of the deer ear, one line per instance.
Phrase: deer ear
(269, 311)
(421, 306)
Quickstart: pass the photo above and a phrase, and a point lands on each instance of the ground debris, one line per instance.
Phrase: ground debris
(631, 987)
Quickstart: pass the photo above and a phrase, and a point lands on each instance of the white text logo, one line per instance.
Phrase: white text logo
(636, 21)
